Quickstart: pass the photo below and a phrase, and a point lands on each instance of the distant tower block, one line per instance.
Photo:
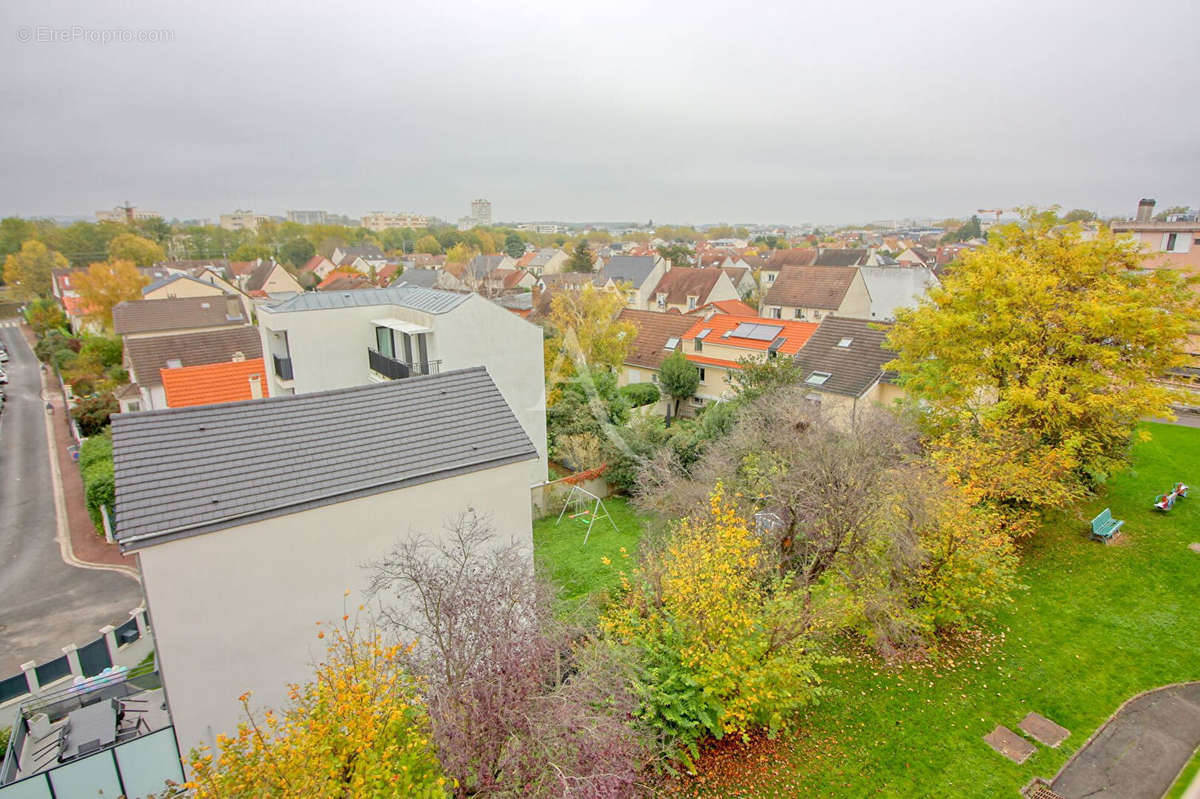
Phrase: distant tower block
(481, 212)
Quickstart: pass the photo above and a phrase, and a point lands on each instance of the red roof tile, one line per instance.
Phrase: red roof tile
(794, 333)
(213, 383)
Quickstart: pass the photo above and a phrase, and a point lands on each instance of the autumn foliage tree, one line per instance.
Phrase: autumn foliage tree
(585, 333)
(137, 249)
(1038, 356)
(105, 284)
(29, 271)
(359, 728)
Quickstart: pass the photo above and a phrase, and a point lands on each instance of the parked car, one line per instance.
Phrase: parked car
(3, 377)
(3, 356)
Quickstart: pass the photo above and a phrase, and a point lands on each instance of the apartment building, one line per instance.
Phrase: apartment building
(317, 341)
(385, 220)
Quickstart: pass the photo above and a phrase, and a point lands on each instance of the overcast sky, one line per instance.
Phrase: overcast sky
(677, 111)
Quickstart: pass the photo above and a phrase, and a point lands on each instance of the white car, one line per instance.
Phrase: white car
(3, 356)
(3, 378)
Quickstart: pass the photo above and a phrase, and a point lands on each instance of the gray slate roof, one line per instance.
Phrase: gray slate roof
(166, 281)
(418, 299)
(852, 369)
(187, 471)
(177, 313)
(418, 278)
(628, 268)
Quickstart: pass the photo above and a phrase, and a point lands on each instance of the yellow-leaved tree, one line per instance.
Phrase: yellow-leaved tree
(1038, 356)
(30, 271)
(721, 635)
(105, 284)
(138, 249)
(585, 330)
(358, 729)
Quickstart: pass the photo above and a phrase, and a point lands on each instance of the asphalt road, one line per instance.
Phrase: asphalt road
(44, 603)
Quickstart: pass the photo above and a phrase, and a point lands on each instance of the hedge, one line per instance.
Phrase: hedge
(98, 488)
(640, 394)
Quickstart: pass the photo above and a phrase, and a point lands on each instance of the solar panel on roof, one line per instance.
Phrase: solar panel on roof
(776, 344)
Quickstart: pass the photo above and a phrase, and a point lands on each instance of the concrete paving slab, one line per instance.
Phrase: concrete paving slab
(1043, 730)
(1009, 744)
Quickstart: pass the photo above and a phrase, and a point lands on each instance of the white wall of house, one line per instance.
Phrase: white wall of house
(328, 349)
(237, 610)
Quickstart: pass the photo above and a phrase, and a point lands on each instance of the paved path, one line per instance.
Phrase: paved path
(45, 604)
(1140, 751)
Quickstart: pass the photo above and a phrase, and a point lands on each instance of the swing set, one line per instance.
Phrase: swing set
(582, 503)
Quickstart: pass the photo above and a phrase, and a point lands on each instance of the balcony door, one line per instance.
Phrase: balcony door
(384, 342)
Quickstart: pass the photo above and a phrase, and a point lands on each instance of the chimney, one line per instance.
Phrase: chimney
(256, 391)
(1145, 210)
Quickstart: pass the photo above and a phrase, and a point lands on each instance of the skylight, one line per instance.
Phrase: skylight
(757, 332)
(672, 343)
(704, 333)
(845, 342)
(817, 378)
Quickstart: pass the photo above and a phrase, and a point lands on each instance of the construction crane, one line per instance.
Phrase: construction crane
(996, 211)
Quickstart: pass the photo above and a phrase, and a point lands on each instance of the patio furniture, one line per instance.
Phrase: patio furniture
(94, 723)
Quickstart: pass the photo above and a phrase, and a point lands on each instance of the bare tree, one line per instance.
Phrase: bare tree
(521, 704)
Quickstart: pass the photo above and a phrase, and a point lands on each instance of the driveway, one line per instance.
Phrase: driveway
(45, 604)
(1140, 751)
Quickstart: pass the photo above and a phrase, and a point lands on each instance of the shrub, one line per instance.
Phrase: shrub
(640, 394)
(358, 728)
(95, 449)
(53, 341)
(93, 413)
(82, 386)
(99, 489)
(64, 359)
(722, 638)
(104, 350)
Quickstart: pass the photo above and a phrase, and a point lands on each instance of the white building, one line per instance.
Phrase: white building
(243, 220)
(308, 217)
(252, 532)
(336, 339)
(385, 220)
(481, 212)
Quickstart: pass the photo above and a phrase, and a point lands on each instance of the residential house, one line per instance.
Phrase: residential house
(503, 281)
(658, 335)
(716, 344)
(685, 289)
(421, 278)
(813, 292)
(546, 261)
(1171, 244)
(148, 357)
(235, 380)
(742, 278)
(135, 319)
(181, 285)
(549, 286)
(843, 256)
(842, 366)
(736, 307)
(893, 287)
(264, 277)
(914, 255)
(778, 259)
(318, 265)
(336, 339)
(473, 275)
(339, 280)
(369, 254)
(636, 275)
(253, 522)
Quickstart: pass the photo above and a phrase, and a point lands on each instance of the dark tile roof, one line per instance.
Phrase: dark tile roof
(148, 316)
(653, 331)
(853, 369)
(811, 287)
(627, 268)
(685, 281)
(800, 256)
(259, 275)
(147, 355)
(368, 252)
(847, 257)
(188, 471)
(421, 278)
(431, 301)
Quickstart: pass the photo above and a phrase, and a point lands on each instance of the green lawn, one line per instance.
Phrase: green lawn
(1095, 625)
(578, 569)
(1185, 778)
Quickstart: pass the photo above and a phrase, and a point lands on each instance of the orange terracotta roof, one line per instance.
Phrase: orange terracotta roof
(795, 333)
(212, 383)
(736, 307)
(706, 361)
(339, 273)
(74, 306)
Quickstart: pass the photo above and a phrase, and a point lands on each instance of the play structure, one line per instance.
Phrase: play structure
(583, 504)
(1164, 502)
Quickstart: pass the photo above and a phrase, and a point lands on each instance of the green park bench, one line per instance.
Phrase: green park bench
(1104, 526)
